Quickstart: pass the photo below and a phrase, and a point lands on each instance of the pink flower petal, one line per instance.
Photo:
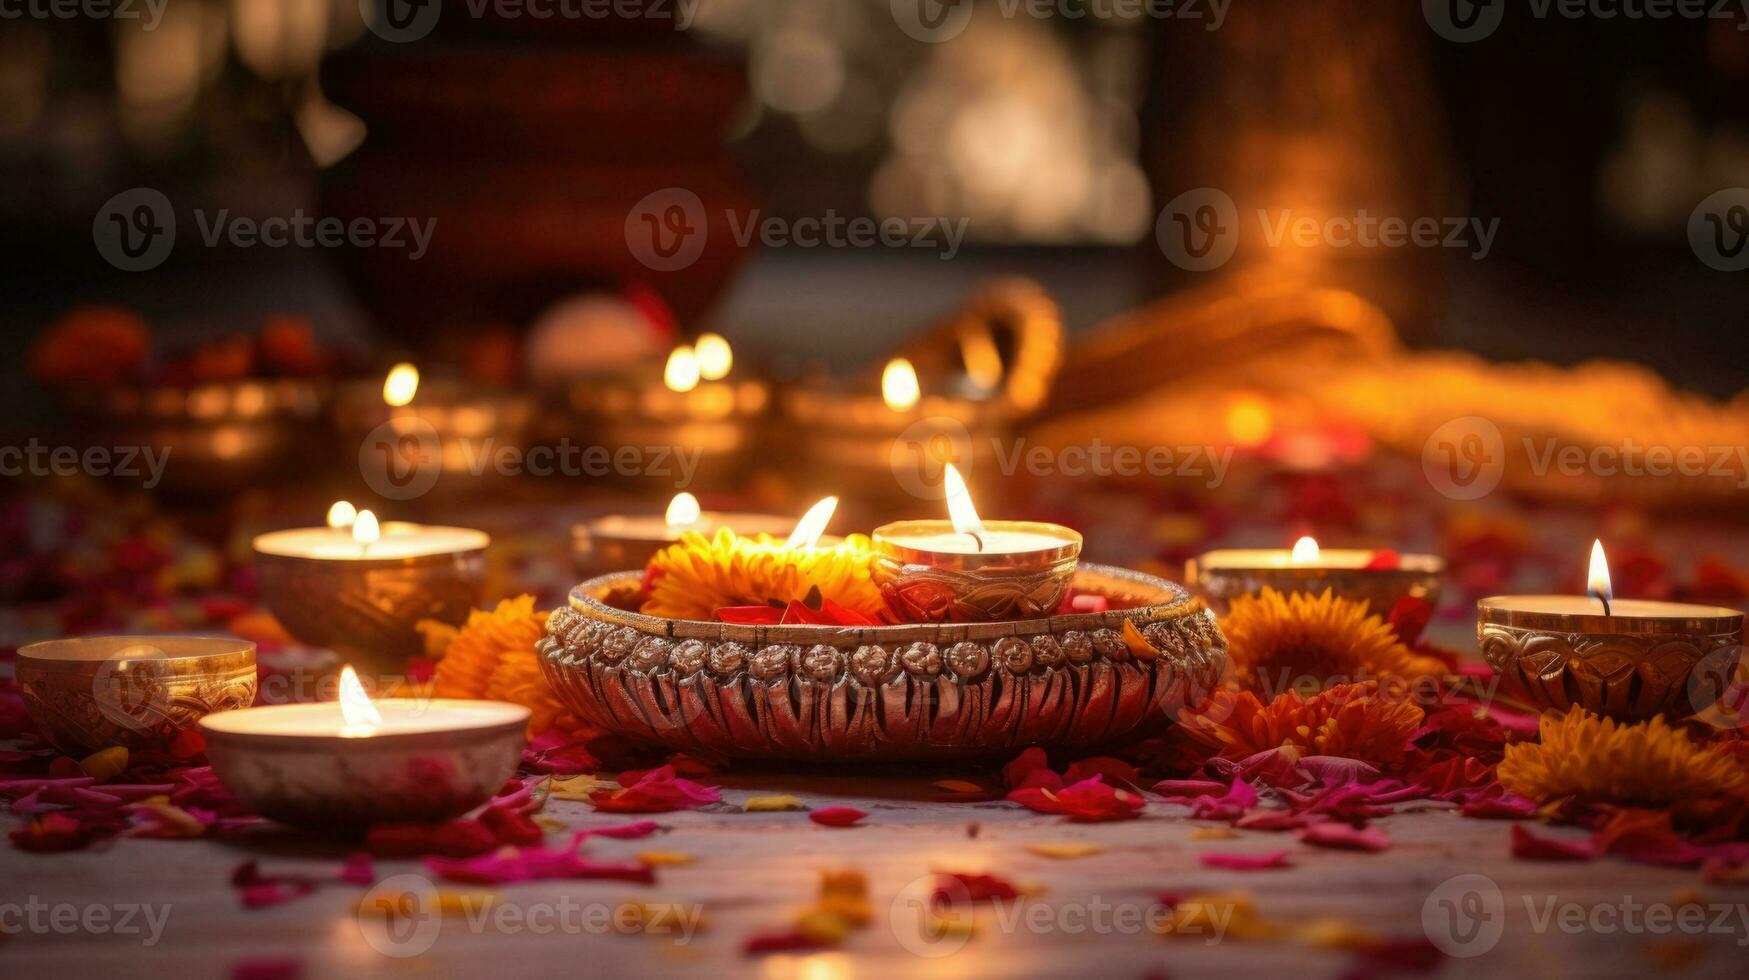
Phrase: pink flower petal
(1347, 837)
(1245, 862)
(1530, 847)
(837, 816)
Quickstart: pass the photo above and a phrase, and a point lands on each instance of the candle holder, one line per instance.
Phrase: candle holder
(1222, 576)
(366, 607)
(448, 428)
(926, 691)
(608, 544)
(1561, 651)
(220, 437)
(719, 419)
(282, 763)
(928, 586)
(140, 692)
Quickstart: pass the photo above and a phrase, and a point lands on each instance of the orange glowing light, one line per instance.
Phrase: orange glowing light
(959, 503)
(1305, 550)
(683, 511)
(401, 385)
(715, 357)
(342, 515)
(1597, 583)
(813, 524)
(1250, 421)
(899, 387)
(365, 530)
(356, 710)
(681, 372)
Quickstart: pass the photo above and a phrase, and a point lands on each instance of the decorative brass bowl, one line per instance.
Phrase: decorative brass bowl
(719, 420)
(366, 609)
(1625, 667)
(140, 692)
(1419, 576)
(453, 428)
(341, 784)
(885, 693)
(942, 587)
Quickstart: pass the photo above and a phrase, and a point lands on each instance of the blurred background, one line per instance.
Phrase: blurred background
(541, 203)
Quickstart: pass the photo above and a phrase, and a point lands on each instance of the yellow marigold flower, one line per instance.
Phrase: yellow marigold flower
(1304, 641)
(1349, 720)
(492, 656)
(698, 575)
(1648, 765)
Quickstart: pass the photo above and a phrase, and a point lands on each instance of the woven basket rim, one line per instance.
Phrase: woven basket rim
(1172, 602)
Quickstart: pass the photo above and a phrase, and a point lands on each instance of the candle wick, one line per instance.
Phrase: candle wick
(1603, 599)
(978, 538)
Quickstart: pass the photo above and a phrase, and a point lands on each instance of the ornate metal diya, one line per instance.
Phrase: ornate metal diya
(718, 419)
(1639, 661)
(927, 585)
(1222, 576)
(367, 607)
(432, 759)
(140, 692)
(885, 693)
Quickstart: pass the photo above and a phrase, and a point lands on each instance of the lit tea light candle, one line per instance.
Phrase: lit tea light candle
(899, 387)
(619, 542)
(1382, 578)
(361, 590)
(345, 764)
(967, 569)
(342, 515)
(1627, 658)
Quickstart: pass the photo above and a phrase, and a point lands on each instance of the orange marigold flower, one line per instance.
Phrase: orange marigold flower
(1350, 720)
(493, 657)
(1649, 765)
(695, 577)
(1304, 641)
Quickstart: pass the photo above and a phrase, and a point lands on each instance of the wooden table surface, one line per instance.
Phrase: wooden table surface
(753, 871)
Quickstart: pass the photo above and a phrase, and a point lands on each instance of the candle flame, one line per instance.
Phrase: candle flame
(813, 524)
(899, 387)
(683, 510)
(1305, 550)
(365, 530)
(715, 357)
(959, 503)
(401, 385)
(682, 371)
(342, 515)
(1597, 583)
(356, 709)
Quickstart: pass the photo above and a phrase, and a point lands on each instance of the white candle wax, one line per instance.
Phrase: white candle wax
(1346, 558)
(400, 716)
(994, 542)
(1573, 605)
(400, 539)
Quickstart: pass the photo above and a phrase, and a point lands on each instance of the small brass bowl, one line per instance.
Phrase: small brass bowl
(1625, 667)
(923, 586)
(339, 784)
(366, 609)
(141, 692)
(1221, 580)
